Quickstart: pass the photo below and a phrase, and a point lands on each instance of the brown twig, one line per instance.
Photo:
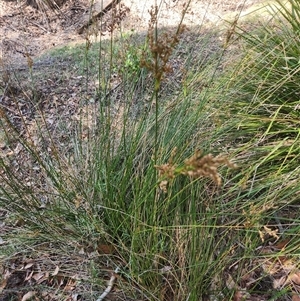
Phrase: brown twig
(109, 285)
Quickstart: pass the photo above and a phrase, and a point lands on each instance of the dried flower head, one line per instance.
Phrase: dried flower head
(196, 166)
(205, 166)
(268, 232)
(161, 47)
(166, 172)
(29, 60)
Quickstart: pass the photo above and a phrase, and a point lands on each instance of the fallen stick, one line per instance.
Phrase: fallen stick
(109, 285)
(98, 9)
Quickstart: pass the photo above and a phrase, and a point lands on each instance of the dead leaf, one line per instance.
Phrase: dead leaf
(40, 277)
(288, 265)
(28, 277)
(55, 271)
(280, 282)
(3, 284)
(240, 296)
(28, 296)
(230, 283)
(295, 278)
(105, 249)
(281, 244)
(28, 265)
(70, 286)
(295, 298)
(37, 276)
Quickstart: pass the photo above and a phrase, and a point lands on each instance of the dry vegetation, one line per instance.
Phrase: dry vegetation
(152, 165)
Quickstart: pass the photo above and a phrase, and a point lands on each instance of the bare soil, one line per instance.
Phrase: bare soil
(25, 31)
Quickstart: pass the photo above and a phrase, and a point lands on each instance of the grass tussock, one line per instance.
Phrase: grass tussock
(186, 193)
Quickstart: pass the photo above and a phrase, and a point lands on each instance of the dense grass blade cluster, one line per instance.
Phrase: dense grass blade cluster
(263, 129)
(145, 171)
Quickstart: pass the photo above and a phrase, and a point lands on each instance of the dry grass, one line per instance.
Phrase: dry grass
(86, 190)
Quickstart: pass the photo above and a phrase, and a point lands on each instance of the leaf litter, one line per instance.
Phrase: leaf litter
(46, 276)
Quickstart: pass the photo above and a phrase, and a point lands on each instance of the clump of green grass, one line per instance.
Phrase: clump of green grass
(261, 127)
(105, 189)
(267, 97)
(177, 222)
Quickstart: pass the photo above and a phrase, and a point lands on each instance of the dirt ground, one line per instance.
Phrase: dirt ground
(25, 31)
